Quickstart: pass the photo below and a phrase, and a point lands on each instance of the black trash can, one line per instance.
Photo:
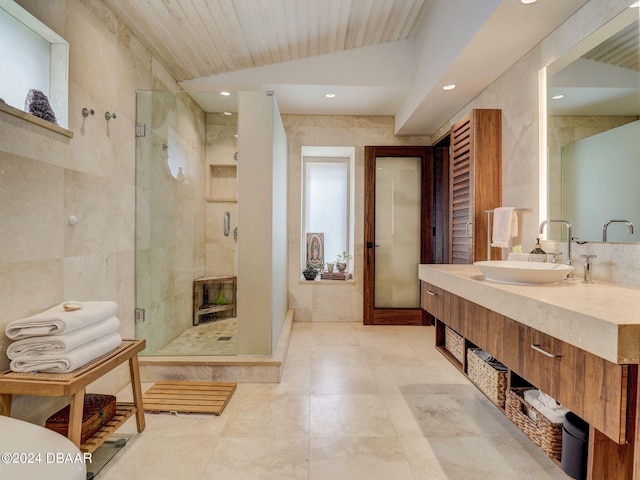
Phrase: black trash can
(575, 440)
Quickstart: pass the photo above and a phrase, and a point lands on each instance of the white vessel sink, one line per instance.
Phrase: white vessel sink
(524, 273)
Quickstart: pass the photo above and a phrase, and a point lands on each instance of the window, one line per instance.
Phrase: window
(38, 59)
(327, 193)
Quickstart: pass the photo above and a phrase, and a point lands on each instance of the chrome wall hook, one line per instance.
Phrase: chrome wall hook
(109, 116)
(86, 112)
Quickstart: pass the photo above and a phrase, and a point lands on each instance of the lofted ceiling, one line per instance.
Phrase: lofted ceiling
(379, 57)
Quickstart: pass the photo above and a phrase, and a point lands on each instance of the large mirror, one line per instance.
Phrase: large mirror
(593, 134)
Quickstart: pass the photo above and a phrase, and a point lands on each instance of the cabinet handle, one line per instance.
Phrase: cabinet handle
(544, 352)
(431, 293)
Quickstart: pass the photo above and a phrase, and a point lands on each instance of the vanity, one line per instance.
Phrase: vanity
(579, 343)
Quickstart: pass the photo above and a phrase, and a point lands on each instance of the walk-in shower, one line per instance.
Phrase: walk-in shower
(192, 195)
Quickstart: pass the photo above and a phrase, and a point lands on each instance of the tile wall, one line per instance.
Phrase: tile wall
(47, 177)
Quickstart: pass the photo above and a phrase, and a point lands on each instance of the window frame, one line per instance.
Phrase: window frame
(58, 59)
(325, 155)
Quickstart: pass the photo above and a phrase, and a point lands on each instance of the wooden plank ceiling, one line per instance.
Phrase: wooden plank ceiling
(198, 38)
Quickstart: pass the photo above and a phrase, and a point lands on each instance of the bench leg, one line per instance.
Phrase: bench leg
(75, 417)
(5, 404)
(134, 370)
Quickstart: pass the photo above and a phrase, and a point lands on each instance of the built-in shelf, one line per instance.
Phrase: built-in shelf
(16, 112)
(223, 183)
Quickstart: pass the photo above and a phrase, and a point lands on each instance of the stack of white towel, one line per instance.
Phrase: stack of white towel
(63, 338)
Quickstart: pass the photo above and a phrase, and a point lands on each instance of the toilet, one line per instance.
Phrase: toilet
(30, 452)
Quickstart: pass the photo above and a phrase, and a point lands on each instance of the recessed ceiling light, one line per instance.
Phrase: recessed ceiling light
(558, 97)
(227, 113)
(527, 2)
(450, 86)
(225, 93)
(330, 95)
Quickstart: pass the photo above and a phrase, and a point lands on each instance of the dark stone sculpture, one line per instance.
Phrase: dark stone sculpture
(37, 104)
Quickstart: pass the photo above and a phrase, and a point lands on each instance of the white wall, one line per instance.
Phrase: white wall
(279, 251)
(260, 235)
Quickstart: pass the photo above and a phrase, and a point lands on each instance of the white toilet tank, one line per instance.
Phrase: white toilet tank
(28, 451)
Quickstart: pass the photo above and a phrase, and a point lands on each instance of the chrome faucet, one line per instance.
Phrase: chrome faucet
(569, 234)
(609, 222)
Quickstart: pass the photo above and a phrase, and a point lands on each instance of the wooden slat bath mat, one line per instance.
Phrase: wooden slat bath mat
(188, 397)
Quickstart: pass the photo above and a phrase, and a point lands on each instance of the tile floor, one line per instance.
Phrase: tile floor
(354, 403)
(203, 339)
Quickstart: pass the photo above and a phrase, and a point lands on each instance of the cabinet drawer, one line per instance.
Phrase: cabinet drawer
(588, 385)
(432, 300)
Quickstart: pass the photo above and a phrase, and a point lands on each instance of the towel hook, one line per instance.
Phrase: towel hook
(109, 116)
(86, 112)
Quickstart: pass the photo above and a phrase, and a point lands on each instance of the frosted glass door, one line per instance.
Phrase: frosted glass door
(397, 232)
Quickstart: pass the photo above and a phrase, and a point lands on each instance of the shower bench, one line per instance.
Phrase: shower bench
(208, 298)
(73, 385)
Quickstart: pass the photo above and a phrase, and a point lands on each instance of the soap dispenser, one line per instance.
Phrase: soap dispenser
(537, 254)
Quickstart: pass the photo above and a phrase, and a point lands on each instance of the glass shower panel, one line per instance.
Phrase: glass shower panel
(397, 232)
(170, 213)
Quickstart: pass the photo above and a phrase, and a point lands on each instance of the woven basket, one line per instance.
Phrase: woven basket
(454, 343)
(544, 433)
(491, 381)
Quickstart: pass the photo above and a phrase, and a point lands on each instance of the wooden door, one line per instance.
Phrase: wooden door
(377, 312)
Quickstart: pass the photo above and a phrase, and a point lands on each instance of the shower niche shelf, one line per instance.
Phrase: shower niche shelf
(210, 297)
(223, 183)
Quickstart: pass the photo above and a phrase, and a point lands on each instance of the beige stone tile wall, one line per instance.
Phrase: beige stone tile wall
(221, 146)
(317, 301)
(45, 177)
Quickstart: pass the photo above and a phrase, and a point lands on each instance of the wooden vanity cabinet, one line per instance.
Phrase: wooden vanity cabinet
(475, 182)
(432, 299)
(593, 388)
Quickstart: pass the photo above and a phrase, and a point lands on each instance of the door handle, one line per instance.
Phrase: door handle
(371, 245)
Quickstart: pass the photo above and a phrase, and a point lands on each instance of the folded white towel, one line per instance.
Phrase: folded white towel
(62, 343)
(505, 226)
(57, 320)
(546, 405)
(69, 361)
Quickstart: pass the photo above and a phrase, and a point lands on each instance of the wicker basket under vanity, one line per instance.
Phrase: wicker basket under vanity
(454, 343)
(544, 433)
(490, 380)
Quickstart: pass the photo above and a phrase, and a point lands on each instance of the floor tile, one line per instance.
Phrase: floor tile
(269, 415)
(355, 402)
(255, 458)
(338, 458)
(332, 380)
(350, 416)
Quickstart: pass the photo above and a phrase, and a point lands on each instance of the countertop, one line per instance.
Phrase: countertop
(601, 318)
